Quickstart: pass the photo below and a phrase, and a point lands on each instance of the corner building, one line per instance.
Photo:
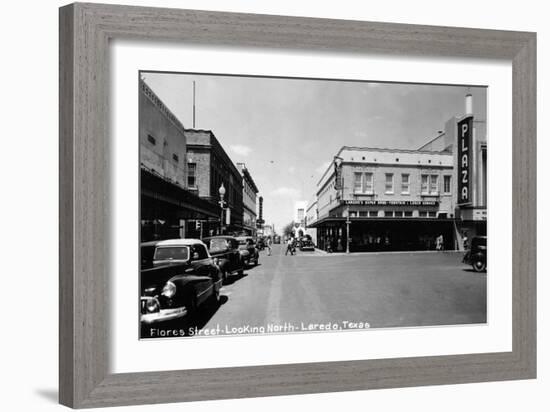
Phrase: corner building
(385, 200)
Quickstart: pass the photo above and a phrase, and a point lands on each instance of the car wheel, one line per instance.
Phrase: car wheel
(479, 265)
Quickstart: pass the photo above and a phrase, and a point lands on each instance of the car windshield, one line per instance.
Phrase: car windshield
(243, 241)
(216, 245)
(172, 253)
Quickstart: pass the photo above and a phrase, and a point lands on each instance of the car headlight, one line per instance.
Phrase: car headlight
(169, 290)
(152, 305)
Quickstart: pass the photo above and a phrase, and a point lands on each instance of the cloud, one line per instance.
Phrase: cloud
(240, 150)
(291, 169)
(286, 192)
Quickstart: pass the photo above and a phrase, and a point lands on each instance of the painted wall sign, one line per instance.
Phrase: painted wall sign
(391, 202)
(464, 160)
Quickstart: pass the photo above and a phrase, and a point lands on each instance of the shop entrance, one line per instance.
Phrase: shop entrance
(400, 235)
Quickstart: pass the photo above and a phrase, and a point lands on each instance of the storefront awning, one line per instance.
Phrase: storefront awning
(342, 220)
(156, 189)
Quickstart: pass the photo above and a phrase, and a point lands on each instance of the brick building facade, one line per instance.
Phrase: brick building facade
(250, 192)
(209, 166)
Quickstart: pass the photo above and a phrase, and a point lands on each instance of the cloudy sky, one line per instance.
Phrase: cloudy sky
(287, 131)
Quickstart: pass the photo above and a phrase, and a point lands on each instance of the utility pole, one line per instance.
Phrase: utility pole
(193, 104)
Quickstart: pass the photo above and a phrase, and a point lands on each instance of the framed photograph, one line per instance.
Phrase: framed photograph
(257, 205)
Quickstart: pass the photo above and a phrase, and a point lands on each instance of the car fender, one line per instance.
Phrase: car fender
(188, 280)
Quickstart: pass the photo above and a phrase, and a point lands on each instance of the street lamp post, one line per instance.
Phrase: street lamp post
(221, 191)
(339, 187)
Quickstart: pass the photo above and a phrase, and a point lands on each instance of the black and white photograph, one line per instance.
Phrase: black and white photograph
(278, 205)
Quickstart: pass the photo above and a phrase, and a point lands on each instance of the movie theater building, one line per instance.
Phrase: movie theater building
(466, 138)
(386, 199)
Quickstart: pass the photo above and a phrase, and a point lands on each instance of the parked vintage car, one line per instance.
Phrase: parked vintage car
(178, 276)
(225, 252)
(477, 254)
(249, 251)
(307, 245)
(276, 240)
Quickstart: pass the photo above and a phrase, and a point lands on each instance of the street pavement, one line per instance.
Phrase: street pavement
(314, 290)
(311, 289)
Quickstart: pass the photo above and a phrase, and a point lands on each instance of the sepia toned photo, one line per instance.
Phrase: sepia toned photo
(274, 205)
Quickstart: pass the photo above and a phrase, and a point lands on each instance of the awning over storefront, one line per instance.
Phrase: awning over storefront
(342, 220)
(158, 193)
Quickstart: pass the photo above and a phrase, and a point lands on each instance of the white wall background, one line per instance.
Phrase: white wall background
(29, 204)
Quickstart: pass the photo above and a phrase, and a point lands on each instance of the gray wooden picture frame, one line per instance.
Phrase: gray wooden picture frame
(85, 32)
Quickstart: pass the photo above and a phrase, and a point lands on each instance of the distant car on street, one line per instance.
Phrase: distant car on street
(178, 276)
(276, 239)
(307, 245)
(225, 252)
(249, 251)
(477, 254)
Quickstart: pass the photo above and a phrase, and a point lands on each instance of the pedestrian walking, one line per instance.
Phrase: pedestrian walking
(439, 243)
(268, 245)
(289, 246)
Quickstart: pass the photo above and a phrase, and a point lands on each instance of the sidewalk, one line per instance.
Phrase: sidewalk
(319, 252)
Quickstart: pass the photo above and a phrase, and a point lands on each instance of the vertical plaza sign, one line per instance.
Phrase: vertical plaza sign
(464, 160)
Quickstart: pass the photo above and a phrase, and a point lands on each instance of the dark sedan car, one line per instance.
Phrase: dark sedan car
(177, 277)
(477, 254)
(307, 245)
(248, 250)
(225, 252)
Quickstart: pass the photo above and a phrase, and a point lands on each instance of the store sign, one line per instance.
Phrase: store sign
(390, 202)
(464, 160)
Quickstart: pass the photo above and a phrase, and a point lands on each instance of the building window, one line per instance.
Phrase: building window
(432, 214)
(424, 180)
(389, 183)
(433, 185)
(423, 213)
(151, 139)
(175, 157)
(358, 182)
(369, 187)
(191, 174)
(300, 215)
(405, 184)
(398, 213)
(388, 213)
(447, 184)
(408, 213)
(373, 213)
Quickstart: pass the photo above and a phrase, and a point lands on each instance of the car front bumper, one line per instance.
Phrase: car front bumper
(164, 315)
